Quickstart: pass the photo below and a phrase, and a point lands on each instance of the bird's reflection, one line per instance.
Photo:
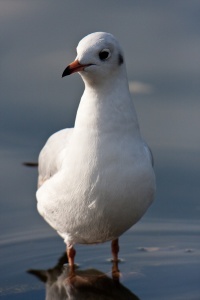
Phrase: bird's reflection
(81, 284)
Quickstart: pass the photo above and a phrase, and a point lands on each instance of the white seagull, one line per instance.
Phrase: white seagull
(96, 180)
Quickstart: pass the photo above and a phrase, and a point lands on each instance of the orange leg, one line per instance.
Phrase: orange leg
(115, 249)
(71, 252)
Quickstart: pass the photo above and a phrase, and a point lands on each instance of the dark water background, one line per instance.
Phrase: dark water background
(161, 254)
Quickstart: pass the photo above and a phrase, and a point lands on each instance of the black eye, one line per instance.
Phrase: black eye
(104, 54)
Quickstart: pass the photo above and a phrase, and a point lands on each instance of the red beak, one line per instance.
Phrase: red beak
(75, 66)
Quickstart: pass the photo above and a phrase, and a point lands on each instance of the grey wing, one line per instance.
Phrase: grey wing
(149, 153)
(51, 155)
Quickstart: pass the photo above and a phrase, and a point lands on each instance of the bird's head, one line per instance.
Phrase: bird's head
(99, 56)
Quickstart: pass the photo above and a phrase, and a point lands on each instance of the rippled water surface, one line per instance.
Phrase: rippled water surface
(156, 264)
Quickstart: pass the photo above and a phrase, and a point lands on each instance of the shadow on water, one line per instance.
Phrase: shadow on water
(83, 284)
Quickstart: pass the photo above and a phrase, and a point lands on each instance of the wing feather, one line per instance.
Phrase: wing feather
(51, 155)
(149, 153)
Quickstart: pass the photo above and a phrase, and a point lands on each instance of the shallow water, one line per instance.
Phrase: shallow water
(158, 261)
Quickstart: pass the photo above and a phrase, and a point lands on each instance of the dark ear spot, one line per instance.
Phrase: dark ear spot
(120, 59)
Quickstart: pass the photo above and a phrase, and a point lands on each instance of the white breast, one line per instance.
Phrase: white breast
(105, 184)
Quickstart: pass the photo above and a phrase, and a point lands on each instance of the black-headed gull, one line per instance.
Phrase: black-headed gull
(96, 180)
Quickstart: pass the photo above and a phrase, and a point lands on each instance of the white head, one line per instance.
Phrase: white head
(99, 56)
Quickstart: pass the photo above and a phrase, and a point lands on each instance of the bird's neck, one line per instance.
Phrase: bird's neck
(107, 107)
